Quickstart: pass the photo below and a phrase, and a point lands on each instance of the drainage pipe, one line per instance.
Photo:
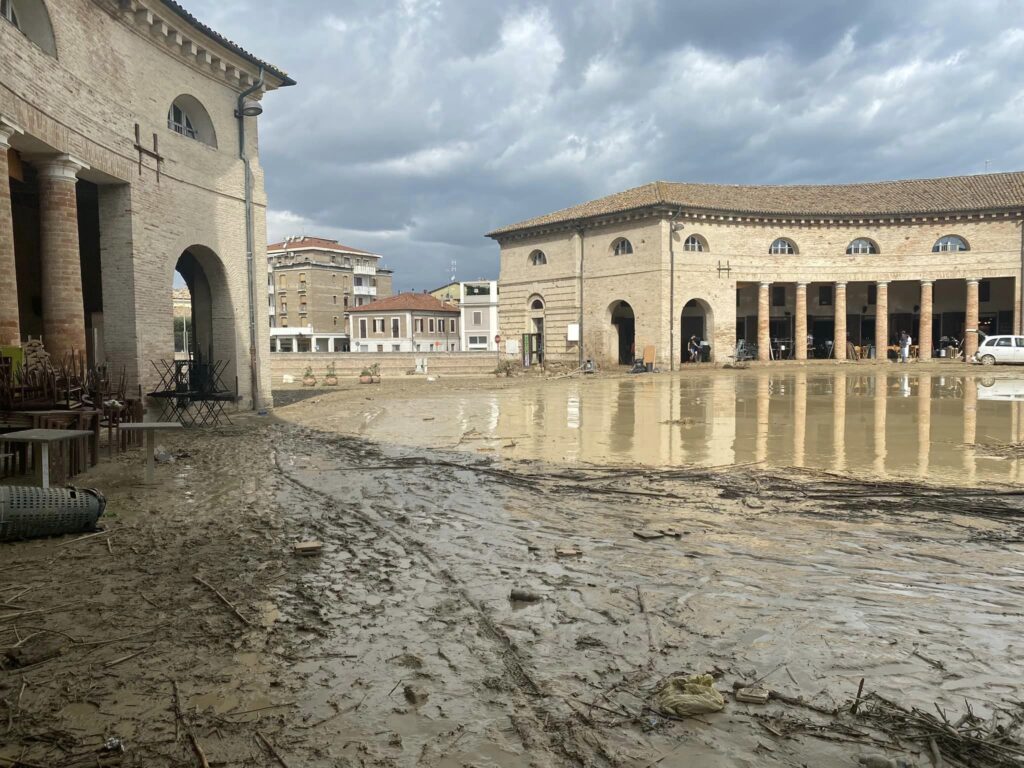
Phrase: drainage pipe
(250, 238)
(579, 231)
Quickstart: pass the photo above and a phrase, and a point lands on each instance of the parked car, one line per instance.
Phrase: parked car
(1000, 349)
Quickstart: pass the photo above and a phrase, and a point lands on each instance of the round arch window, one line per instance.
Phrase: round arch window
(950, 243)
(188, 117)
(695, 243)
(862, 245)
(537, 258)
(621, 247)
(782, 246)
(537, 304)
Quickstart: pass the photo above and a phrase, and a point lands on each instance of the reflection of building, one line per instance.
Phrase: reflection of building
(119, 162)
(408, 322)
(770, 265)
(479, 314)
(314, 282)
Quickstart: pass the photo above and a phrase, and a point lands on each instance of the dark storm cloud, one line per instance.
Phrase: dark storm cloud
(418, 125)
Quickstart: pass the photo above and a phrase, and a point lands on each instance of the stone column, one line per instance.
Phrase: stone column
(839, 343)
(882, 321)
(971, 322)
(63, 309)
(800, 332)
(10, 328)
(764, 342)
(924, 331)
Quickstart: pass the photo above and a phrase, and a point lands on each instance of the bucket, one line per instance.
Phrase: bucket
(27, 512)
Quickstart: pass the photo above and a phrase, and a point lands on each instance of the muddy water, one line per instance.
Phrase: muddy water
(939, 428)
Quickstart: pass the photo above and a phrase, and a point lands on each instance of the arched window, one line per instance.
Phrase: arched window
(189, 118)
(536, 303)
(782, 246)
(537, 258)
(695, 243)
(862, 245)
(32, 18)
(622, 247)
(950, 243)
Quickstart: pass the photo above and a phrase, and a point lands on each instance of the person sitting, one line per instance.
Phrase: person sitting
(694, 349)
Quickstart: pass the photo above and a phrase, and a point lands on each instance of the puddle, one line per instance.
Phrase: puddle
(951, 429)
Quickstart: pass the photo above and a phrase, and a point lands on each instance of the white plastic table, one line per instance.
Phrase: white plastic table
(148, 429)
(41, 439)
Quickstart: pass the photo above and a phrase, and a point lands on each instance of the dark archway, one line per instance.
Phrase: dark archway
(212, 326)
(624, 321)
(696, 320)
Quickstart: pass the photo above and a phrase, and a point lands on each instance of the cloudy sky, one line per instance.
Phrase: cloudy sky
(419, 125)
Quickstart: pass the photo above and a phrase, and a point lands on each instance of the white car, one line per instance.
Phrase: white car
(1000, 349)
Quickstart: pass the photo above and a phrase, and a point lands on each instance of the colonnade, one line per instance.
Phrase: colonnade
(881, 316)
(60, 260)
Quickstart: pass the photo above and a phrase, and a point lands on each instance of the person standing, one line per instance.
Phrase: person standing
(904, 346)
(694, 349)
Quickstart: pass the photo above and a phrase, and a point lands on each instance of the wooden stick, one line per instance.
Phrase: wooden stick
(87, 536)
(115, 662)
(856, 701)
(200, 755)
(224, 600)
(273, 751)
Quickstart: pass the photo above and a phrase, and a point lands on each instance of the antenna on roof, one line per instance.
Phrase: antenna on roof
(453, 271)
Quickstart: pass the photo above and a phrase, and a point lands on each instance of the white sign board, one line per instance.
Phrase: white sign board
(512, 347)
(573, 332)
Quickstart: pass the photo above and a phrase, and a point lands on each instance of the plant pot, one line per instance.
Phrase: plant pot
(375, 379)
(330, 381)
(309, 381)
(366, 379)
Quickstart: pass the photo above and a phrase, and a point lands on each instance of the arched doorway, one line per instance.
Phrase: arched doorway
(210, 317)
(697, 320)
(534, 347)
(624, 322)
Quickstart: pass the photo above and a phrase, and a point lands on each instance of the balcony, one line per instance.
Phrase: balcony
(364, 270)
(364, 290)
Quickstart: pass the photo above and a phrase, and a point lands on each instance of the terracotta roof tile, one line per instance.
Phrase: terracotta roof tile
(954, 194)
(407, 302)
(321, 243)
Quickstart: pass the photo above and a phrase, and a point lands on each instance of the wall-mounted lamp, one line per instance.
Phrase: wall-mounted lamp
(250, 108)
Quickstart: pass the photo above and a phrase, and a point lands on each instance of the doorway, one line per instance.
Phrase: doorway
(624, 322)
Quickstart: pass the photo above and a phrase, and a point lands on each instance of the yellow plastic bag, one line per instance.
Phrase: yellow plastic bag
(686, 695)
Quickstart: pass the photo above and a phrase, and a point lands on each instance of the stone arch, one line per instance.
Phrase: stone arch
(213, 313)
(194, 121)
(33, 19)
(622, 332)
(535, 309)
(697, 319)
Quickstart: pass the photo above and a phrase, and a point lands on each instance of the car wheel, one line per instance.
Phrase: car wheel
(988, 360)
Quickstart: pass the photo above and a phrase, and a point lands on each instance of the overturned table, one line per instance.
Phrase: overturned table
(41, 440)
(149, 428)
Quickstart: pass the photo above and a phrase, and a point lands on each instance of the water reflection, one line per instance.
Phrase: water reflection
(873, 424)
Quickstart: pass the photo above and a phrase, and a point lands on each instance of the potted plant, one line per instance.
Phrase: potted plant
(331, 379)
(308, 379)
(370, 374)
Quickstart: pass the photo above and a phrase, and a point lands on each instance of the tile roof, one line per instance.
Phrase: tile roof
(407, 302)
(953, 194)
(321, 243)
(215, 35)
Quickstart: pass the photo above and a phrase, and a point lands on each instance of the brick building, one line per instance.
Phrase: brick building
(120, 134)
(408, 322)
(315, 282)
(792, 270)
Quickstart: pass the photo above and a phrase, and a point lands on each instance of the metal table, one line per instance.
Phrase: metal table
(41, 439)
(149, 428)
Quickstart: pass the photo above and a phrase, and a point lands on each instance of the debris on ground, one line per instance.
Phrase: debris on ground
(524, 596)
(755, 694)
(307, 548)
(685, 695)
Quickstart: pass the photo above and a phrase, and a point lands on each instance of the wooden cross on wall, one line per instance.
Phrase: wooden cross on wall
(727, 269)
(143, 151)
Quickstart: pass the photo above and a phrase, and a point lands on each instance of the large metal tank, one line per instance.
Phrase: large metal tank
(28, 513)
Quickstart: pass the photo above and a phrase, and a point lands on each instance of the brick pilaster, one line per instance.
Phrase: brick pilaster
(924, 329)
(971, 321)
(764, 342)
(10, 327)
(800, 328)
(839, 340)
(882, 321)
(63, 308)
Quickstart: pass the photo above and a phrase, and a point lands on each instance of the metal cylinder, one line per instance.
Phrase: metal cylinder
(28, 512)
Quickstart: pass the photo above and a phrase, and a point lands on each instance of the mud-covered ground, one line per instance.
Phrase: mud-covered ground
(399, 644)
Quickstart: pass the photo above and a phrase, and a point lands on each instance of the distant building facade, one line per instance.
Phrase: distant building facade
(315, 282)
(450, 293)
(479, 310)
(407, 322)
(790, 270)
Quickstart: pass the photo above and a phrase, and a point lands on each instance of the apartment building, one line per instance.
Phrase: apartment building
(408, 322)
(315, 282)
(479, 308)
